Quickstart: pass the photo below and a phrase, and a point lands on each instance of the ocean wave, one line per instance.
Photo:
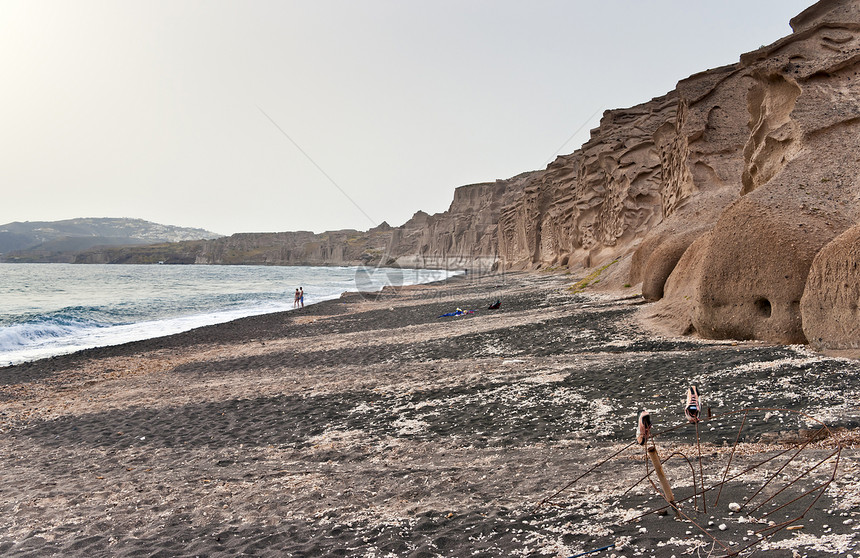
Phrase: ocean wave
(119, 306)
(40, 329)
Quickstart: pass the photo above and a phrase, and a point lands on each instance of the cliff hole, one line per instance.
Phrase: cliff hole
(762, 306)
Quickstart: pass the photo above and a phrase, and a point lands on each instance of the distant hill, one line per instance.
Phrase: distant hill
(58, 241)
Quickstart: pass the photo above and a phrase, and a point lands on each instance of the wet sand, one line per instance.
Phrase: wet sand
(373, 427)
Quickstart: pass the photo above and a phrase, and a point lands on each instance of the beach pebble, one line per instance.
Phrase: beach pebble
(734, 506)
(848, 522)
(723, 527)
(643, 529)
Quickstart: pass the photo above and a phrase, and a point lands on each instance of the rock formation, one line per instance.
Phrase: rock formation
(720, 193)
(829, 306)
(464, 236)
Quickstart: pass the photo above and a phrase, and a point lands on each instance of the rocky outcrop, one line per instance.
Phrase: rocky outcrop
(799, 186)
(830, 306)
(464, 236)
(656, 259)
(754, 271)
(588, 207)
(758, 160)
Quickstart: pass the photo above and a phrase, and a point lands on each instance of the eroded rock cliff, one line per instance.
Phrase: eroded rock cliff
(759, 160)
(464, 236)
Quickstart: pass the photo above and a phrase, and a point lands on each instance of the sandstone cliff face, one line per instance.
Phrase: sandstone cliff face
(760, 156)
(830, 306)
(464, 236)
(798, 188)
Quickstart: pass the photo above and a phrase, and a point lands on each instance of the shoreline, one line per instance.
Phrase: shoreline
(341, 296)
(370, 426)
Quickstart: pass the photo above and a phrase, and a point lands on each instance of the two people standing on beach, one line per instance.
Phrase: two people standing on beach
(300, 298)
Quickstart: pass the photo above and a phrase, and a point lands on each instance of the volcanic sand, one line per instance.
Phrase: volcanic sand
(370, 426)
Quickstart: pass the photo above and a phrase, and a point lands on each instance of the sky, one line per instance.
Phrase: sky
(265, 116)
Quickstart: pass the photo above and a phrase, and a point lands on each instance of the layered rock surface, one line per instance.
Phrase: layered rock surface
(758, 160)
(464, 236)
(831, 301)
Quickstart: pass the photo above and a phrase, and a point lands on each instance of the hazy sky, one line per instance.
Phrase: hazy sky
(164, 110)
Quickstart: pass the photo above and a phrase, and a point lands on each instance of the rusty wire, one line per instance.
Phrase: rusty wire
(762, 534)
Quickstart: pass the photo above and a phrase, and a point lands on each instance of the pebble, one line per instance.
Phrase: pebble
(723, 527)
(734, 506)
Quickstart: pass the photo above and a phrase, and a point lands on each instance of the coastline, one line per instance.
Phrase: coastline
(81, 318)
(370, 426)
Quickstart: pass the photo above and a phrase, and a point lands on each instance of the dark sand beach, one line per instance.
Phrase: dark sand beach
(372, 427)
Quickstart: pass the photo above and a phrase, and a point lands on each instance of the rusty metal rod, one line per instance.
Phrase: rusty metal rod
(745, 471)
(571, 483)
(796, 479)
(731, 456)
(778, 471)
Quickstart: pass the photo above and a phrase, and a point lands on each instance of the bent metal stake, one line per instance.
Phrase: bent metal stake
(776, 478)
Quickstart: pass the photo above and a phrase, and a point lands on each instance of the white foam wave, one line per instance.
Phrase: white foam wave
(32, 340)
(22, 343)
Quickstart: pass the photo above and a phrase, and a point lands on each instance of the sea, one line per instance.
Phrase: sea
(52, 309)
